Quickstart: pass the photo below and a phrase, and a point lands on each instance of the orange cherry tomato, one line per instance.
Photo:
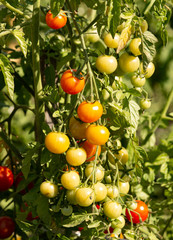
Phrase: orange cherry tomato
(56, 22)
(71, 84)
(97, 134)
(90, 112)
(90, 150)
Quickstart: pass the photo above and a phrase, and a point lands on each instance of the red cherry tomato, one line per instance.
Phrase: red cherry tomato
(7, 227)
(20, 178)
(6, 178)
(90, 150)
(90, 112)
(56, 22)
(71, 84)
(141, 210)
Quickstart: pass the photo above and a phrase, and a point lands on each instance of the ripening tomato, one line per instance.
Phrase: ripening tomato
(70, 180)
(124, 188)
(7, 227)
(112, 209)
(118, 224)
(128, 63)
(70, 195)
(98, 173)
(56, 22)
(110, 41)
(91, 150)
(97, 134)
(89, 111)
(85, 196)
(100, 191)
(122, 156)
(112, 191)
(20, 178)
(77, 129)
(106, 64)
(49, 189)
(135, 45)
(57, 142)
(141, 210)
(149, 70)
(145, 103)
(138, 81)
(6, 178)
(76, 156)
(72, 84)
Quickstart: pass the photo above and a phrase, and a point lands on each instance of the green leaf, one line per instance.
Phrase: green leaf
(162, 158)
(64, 60)
(6, 71)
(115, 20)
(94, 224)
(19, 35)
(134, 114)
(43, 209)
(24, 226)
(56, 6)
(164, 168)
(74, 220)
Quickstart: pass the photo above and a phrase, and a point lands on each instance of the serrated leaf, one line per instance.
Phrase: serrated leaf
(116, 10)
(43, 209)
(74, 220)
(56, 6)
(162, 158)
(19, 35)
(94, 224)
(6, 71)
(134, 114)
(124, 38)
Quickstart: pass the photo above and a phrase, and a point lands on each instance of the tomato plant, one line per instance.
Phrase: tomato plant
(7, 227)
(89, 112)
(6, 178)
(56, 22)
(106, 64)
(71, 84)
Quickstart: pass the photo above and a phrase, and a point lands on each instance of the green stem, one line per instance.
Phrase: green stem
(13, 9)
(167, 225)
(149, 6)
(161, 117)
(36, 70)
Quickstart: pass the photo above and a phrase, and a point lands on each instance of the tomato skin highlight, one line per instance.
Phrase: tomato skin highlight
(57, 142)
(89, 112)
(6, 178)
(7, 227)
(142, 210)
(56, 22)
(71, 84)
(97, 134)
(91, 150)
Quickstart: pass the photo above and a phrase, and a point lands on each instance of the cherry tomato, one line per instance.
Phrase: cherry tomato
(124, 188)
(19, 178)
(138, 81)
(112, 209)
(98, 173)
(70, 195)
(77, 128)
(100, 191)
(67, 211)
(128, 63)
(106, 64)
(6, 178)
(112, 191)
(122, 156)
(70, 180)
(97, 134)
(135, 45)
(110, 41)
(141, 210)
(149, 70)
(144, 26)
(85, 196)
(49, 189)
(76, 156)
(57, 142)
(71, 84)
(91, 150)
(89, 112)
(118, 224)
(7, 227)
(56, 22)
(92, 36)
(145, 103)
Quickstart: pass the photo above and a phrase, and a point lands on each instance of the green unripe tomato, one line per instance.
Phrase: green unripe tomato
(98, 173)
(134, 46)
(106, 64)
(112, 191)
(128, 63)
(110, 41)
(145, 104)
(118, 224)
(70, 195)
(100, 191)
(112, 209)
(144, 26)
(67, 211)
(124, 188)
(138, 81)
